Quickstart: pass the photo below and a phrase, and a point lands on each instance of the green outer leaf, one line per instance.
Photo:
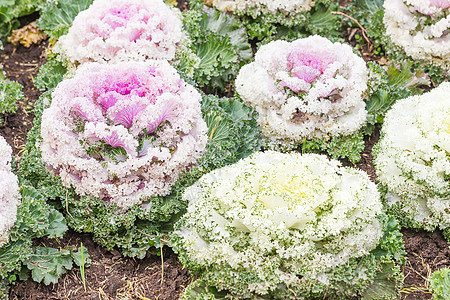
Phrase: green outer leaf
(440, 284)
(48, 264)
(10, 93)
(81, 260)
(57, 17)
(369, 6)
(50, 74)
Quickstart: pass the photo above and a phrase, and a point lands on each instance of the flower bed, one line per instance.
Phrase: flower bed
(9, 192)
(123, 132)
(305, 89)
(420, 28)
(412, 159)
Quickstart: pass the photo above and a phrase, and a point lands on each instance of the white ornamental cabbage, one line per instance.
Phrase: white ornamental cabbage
(412, 158)
(282, 217)
(122, 30)
(269, 6)
(309, 88)
(123, 132)
(421, 28)
(9, 192)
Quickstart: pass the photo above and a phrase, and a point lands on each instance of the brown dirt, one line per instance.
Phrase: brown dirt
(22, 65)
(112, 276)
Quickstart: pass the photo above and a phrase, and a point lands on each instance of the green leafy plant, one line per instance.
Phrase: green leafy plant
(142, 226)
(387, 85)
(349, 146)
(221, 44)
(10, 93)
(57, 16)
(440, 284)
(266, 26)
(10, 10)
(48, 264)
(35, 219)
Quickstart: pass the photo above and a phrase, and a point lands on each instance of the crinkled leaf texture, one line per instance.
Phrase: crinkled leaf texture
(244, 246)
(387, 85)
(141, 227)
(56, 17)
(440, 284)
(35, 219)
(10, 93)
(263, 24)
(221, 44)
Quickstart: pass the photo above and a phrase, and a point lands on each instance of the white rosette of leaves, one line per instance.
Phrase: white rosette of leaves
(412, 159)
(309, 88)
(9, 192)
(277, 225)
(421, 28)
(111, 31)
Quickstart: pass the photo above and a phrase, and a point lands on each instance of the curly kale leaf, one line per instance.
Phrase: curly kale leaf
(369, 14)
(57, 16)
(349, 146)
(50, 75)
(374, 276)
(35, 219)
(221, 44)
(440, 284)
(10, 93)
(388, 86)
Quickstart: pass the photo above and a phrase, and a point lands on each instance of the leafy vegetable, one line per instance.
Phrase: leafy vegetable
(386, 86)
(221, 44)
(440, 284)
(142, 226)
(56, 17)
(412, 159)
(10, 10)
(10, 93)
(48, 264)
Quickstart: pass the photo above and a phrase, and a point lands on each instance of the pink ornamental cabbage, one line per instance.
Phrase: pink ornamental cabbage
(122, 30)
(123, 132)
(9, 192)
(309, 88)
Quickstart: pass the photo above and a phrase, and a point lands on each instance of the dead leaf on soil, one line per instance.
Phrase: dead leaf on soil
(27, 35)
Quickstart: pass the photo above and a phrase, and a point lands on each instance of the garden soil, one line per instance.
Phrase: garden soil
(112, 276)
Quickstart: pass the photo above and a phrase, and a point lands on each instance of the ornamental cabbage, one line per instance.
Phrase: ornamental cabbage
(123, 132)
(412, 159)
(270, 6)
(9, 192)
(421, 28)
(122, 30)
(309, 88)
(274, 222)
